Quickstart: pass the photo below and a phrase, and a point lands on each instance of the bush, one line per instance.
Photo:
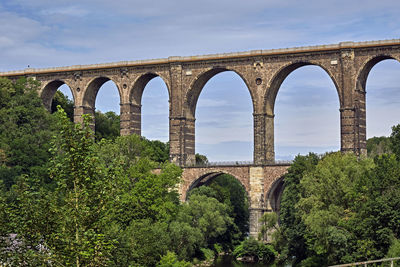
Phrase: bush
(253, 248)
(171, 260)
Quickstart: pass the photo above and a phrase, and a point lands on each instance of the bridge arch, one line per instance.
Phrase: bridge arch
(367, 66)
(49, 90)
(207, 176)
(139, 85)
(274, 195)
(93, 87)
(282, 74)
(197, 85)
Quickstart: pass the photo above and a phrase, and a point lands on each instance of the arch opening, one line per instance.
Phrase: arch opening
(229, 190)
(102, 96)
(49, 92)
(222, 104)
(274, 195)
(307, 116)
(154, 101)
(380, 78)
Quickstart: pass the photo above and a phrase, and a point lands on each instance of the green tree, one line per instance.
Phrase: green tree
(67, 104)
(292, 226)
(171, 260)
(25, 130)
(201, 159)
(395, 140)
(82, 187)
(107, 125)
(327, 204)
(200, 215)
(378, 146)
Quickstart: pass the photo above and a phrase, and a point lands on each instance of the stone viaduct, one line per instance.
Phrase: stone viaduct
(263, 71)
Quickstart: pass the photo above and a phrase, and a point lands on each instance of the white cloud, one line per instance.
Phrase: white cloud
(45, 33)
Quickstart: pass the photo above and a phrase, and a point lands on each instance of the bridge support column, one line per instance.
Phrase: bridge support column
(182, 141)
(81, 110)
(263, 139)
(131, 119)
(353, 128)
(256, 193)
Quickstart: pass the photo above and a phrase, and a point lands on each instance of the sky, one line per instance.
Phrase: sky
(54, 33)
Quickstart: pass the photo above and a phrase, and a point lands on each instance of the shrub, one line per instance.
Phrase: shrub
(253, 248)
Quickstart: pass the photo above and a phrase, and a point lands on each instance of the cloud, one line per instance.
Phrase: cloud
(48, 33)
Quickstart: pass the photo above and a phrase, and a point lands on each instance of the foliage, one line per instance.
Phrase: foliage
(253, 248)
(171, 260)
(269, 225)
(82, 187)
(107, 125)
(394, 251)
(395, 140)
(292, 226)
(378, 146)
(340, 208)
(327, 203)
(25, 129)
(67, 104)
(201, 159)
(228, 190)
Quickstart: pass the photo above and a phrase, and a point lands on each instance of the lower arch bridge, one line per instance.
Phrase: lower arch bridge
(263, 185)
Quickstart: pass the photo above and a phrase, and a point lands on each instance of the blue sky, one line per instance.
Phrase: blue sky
(50, 33)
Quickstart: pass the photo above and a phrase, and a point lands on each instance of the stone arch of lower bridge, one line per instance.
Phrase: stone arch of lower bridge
(49, 90)
(274, 195)
(193, 178)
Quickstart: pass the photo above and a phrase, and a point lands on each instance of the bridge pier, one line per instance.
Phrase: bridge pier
(256, 197)
(130, 119)
(182, 141)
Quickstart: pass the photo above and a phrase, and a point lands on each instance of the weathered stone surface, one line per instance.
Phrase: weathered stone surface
(263, 71)
(263, 185)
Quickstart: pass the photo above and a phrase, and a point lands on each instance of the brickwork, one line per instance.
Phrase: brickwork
(263, 71)
(258, 182)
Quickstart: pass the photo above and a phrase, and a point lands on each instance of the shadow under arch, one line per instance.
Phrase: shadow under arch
(93, 87)
(281, 75)
(136, 92)
(274, 195)
(198, 84)
(50, 89)
(206, 179)
(367, 67)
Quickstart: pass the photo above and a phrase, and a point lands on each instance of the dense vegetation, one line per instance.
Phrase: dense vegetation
(67, 198)
(70, 197)
(339, 208)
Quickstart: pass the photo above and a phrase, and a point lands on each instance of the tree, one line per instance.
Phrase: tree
(201, 159)
(82, 190)
(25, 129)
(326, 206)
(378, 146)
(395, 140)
(67, 104)
(171, 260)
(292, 226)
(107, 125)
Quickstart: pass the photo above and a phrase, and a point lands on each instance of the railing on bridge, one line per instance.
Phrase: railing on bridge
(365, 263)
(236, 163)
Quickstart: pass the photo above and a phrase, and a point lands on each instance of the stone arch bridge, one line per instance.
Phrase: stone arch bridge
(263, 71)
(263, 184)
